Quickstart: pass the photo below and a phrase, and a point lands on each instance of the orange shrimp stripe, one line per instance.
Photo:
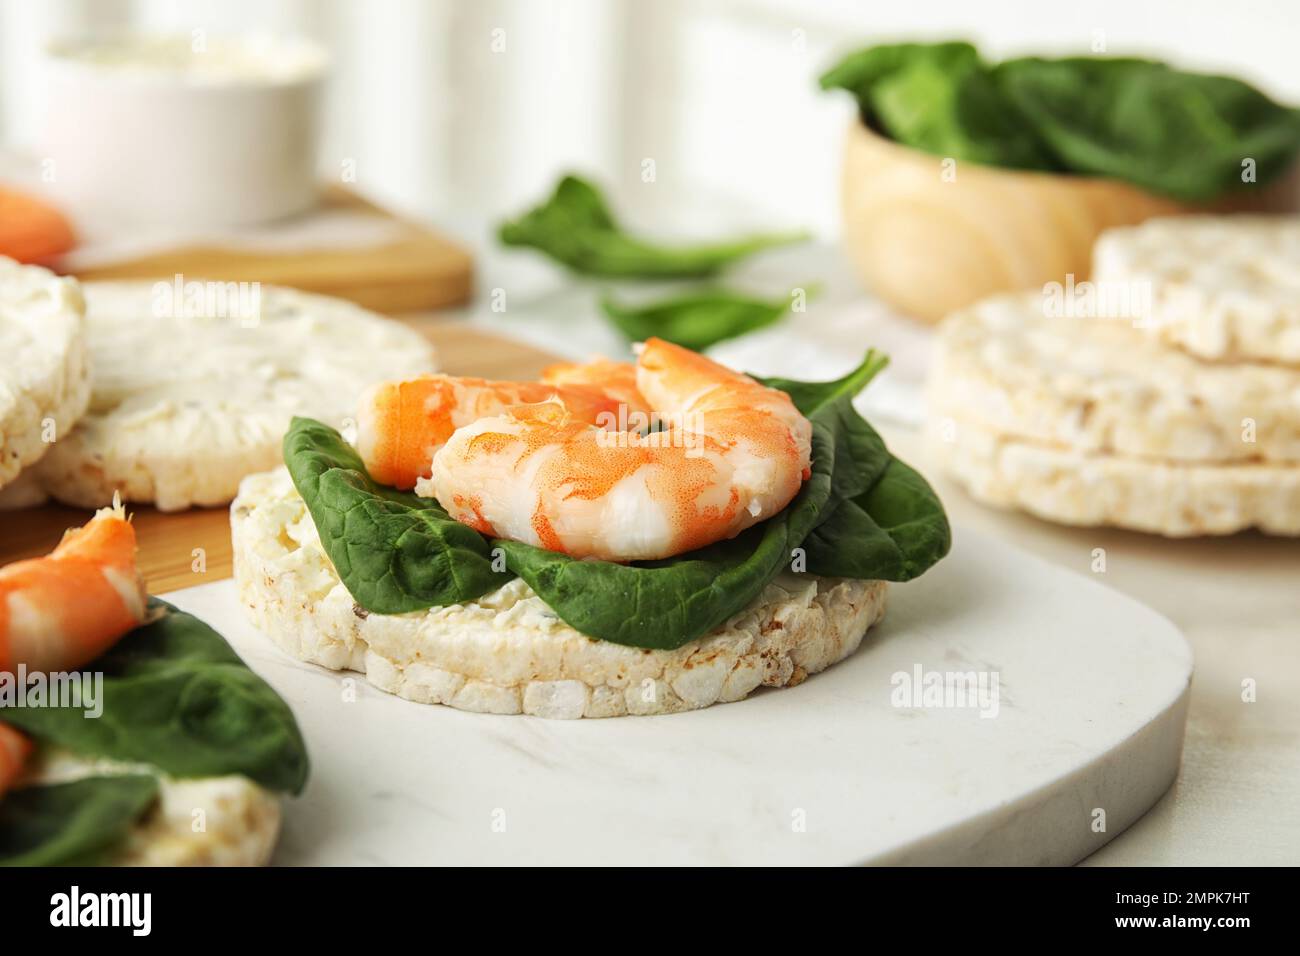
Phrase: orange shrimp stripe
(70, 588)
(402, 424)
(15, 748)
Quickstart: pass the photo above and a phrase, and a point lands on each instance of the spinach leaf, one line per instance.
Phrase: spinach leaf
(1168, 131)
(959, 114)
(1181, 134)
(696, 320)
(576, 228)
(940, 98)
(814, 398)
(71, 823)
(666, 603)
(894, 531)
(860, 71)
(649, 604)
(396, 552)
(177, 697)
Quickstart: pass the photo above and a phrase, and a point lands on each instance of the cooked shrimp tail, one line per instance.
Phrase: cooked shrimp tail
(14, 750)
(60, 612)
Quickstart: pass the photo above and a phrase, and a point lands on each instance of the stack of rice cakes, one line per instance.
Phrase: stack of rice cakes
(1178, 416)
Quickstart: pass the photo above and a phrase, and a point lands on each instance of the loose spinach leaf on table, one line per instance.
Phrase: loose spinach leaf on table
(655, 604)
(576, 228)
(1168, 131)
(696, 320)
(71, 823)
(177, 697)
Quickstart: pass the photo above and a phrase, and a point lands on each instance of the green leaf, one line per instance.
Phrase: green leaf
(575, 228)
(860, 71)
(396, 552)
(698, 319)
(177, 697)
(811, 397)
(664, 604)
(1181, 134)
(1168, 131)
(71, 823)
(939, 98)
(960, 115)
(894, 531)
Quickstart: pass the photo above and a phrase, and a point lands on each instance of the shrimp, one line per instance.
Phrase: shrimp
(14, 751)
(31, 230)
(732, 452)
(615, 379)
(400, 425)
(62, 611)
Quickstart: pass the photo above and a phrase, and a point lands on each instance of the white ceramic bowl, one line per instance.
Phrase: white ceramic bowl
(206, 131)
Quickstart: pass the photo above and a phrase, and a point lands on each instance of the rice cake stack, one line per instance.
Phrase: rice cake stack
(44, 372)
(1166, 398)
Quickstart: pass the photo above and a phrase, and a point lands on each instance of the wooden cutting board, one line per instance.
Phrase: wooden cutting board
(187, 548)
(417, 270)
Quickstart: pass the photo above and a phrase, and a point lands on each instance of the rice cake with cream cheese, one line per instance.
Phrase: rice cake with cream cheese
(507, 652)
(240, 819)
(184, 407)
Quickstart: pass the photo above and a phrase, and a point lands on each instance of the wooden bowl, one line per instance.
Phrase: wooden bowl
(929, 245)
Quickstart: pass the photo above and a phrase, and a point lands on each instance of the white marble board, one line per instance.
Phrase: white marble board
(1093, 693)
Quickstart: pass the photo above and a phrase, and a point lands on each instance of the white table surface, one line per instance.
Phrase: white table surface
(1236, 599)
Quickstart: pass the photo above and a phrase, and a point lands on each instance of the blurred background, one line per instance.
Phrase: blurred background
(471, 109)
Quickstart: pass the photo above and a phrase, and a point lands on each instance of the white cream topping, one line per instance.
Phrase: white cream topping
(197, 58)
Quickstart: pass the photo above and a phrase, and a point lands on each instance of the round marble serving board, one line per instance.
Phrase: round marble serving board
(1093, 691)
